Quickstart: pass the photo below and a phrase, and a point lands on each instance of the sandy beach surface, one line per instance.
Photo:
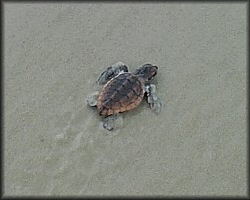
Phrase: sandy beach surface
(54, 144)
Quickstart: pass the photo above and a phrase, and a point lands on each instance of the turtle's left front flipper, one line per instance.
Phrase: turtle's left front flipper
(111, 72)
(152, 98)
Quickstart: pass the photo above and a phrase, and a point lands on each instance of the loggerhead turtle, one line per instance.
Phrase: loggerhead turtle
(123, 91)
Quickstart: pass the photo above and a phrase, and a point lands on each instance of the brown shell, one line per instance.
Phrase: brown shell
(123, 92)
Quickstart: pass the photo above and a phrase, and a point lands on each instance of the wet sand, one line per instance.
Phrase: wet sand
(54, 143)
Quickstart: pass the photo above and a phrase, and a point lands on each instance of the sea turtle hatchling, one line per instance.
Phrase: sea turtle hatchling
(123, 91)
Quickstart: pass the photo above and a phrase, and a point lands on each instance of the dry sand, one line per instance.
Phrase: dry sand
(54, 143)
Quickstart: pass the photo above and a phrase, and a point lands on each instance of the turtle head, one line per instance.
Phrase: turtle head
(147, 71)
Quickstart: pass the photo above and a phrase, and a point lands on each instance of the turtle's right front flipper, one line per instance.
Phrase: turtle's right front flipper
(111, 72)
(152, 98)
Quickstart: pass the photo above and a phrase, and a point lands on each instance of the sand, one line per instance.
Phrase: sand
(54, 144)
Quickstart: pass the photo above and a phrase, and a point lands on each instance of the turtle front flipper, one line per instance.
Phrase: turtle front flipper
(153, 100)
(111, 72)
(112, 121)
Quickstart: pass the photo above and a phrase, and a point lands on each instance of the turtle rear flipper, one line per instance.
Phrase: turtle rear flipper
(113, 121)
(92, 98)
